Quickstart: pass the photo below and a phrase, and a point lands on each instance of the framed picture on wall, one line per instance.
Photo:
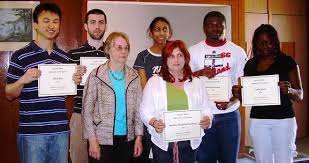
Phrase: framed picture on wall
(16, 29)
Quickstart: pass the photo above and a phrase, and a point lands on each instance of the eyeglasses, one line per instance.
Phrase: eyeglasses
(120, 48)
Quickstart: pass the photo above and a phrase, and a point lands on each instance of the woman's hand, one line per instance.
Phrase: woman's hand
(285, 87)
(157, 124)
(205, 122)
(94, 148)
(138, 146)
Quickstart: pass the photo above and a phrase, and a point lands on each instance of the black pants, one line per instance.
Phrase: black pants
(120, 152)
(144, 158)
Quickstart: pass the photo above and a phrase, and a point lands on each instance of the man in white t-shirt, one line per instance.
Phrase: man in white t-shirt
(213, 57)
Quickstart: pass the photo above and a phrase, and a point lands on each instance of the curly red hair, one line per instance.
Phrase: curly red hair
(167, 52)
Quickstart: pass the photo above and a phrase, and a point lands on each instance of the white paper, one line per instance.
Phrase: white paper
(182, 125)
(56, 80)
(91, 63)
(218, 88)
(260, 90)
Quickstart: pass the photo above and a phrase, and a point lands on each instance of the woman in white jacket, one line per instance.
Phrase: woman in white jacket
(174, 89)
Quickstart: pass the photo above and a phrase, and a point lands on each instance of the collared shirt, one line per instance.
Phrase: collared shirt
(38, 115)
(84, 51)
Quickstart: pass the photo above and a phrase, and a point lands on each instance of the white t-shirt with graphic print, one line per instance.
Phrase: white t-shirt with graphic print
(228, 59)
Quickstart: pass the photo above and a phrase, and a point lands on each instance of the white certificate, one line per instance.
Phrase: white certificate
(182, 125)
(56, 80)
(218, 88)
(260, 90)
(91, 63)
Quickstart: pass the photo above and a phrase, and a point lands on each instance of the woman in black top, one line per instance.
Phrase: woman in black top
(273, 128)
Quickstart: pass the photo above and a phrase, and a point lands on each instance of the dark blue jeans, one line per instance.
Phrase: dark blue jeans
(221, 141)
(43, 148)
(185, 153)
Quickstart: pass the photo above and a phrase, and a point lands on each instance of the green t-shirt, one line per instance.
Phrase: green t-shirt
(176, 98)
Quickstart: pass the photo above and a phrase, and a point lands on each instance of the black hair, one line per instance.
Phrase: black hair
(51, 7)
(272, 34)
(212, 14)
(95, 11)
(155, 20)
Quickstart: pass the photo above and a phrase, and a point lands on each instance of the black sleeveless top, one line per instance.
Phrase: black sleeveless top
(283, 65)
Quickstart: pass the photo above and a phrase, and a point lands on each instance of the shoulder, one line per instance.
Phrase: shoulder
(196, 46)
(61, 51)
(143, 54)
(287, 60)
(155, 79)
(23, 50)
(197, 80)
(235, 47)
(78, 50)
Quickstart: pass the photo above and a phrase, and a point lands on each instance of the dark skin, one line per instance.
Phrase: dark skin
(214, 30)
(292, 87)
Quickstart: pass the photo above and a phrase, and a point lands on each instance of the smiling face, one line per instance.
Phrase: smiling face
(160, 33)
(119, 51)
(214, 29)
(95, 26)
(48, 25)
(264, 45)
(176, 61)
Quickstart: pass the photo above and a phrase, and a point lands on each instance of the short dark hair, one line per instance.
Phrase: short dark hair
(272, 34)
(95, 11)
(212, 14)
(51, 7)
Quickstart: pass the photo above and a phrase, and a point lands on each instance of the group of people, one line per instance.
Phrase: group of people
(118, 112)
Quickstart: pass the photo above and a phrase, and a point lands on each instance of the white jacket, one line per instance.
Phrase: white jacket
(154, 103)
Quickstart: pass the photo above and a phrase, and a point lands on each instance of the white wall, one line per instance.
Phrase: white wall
(134, 18)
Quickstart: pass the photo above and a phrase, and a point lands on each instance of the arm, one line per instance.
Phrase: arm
(142, 77)
(13, 90)
(207, 71)
(293, 87)
(89, 99)
(147, 107)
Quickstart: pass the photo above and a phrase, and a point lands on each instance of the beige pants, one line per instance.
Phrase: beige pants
(78, 145)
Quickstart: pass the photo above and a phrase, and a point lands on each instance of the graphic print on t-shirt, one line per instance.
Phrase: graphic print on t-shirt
(155, 70)
(219, 61)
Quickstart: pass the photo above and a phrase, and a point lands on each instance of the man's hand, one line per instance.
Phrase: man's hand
(236, 91)
(78, 75)
(209, 72)
(30, 75)
(222, 105)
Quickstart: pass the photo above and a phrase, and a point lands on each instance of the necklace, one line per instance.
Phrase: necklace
(115, 77)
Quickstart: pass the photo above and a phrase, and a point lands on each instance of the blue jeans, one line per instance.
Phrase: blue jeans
(221, 142)
(43, 148)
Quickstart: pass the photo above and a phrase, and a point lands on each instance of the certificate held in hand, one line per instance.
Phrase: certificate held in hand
(91, 63)
(218, 88)
(260, 90)
(182, 125)
(56, 80)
